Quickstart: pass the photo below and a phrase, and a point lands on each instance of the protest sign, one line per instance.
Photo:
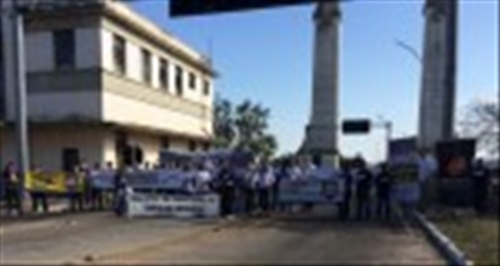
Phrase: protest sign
(311, 190)
(102, 180)
(406, 188)
(178, 206)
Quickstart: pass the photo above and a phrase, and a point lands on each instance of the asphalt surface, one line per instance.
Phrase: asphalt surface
(300, 238)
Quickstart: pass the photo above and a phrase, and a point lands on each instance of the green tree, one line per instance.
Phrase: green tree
(223, 123)
(243, 127)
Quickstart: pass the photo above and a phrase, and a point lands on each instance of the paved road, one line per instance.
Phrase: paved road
(294, 239)
(289, 239)
(71, 238)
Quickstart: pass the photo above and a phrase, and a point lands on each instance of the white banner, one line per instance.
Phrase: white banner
(179, 206)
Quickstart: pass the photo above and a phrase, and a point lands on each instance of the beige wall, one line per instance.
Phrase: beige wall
(47, 144)
(95, 144)
(134, 44)
(150, 144)
(127, 111)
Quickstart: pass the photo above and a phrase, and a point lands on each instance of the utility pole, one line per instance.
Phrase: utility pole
(19, 86)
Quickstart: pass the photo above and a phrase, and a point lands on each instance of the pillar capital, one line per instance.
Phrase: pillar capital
(327, 12)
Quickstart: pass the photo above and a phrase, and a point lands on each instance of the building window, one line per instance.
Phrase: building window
(178, 80)
(192, 145)
(119, 54)
(206, 87)
(64, 48)
(146, 66)
(163, 74)
(192, 80)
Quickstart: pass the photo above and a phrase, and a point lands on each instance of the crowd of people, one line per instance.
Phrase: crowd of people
(249, 189)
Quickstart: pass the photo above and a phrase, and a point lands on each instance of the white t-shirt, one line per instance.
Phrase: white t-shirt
(202, 179)
(294, 173)
(268, 177)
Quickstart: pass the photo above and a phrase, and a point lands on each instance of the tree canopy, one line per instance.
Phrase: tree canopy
(481, 121)
(243, 127)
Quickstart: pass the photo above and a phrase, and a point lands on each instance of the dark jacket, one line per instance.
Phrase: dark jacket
(384, 184)
(364, 184)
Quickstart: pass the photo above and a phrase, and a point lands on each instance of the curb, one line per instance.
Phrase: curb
(445, 246)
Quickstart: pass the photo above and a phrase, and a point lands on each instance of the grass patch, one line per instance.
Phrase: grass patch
(477, 237)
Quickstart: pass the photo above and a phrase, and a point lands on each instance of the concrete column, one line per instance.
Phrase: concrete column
(321, 132)
(437, 99)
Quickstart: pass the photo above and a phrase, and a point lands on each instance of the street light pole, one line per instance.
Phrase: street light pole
(387, 125)
(412, 51)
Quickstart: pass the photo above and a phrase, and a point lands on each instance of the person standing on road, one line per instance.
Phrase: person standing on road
(346, 201)
(12, 189)
(108, 192)
(363, 189)
(307, 169)
(480, 184)
(283, 173)
(119, 195)
(72, 184)
(38, 196)
(96, 193)
(84, 188)
(249, 183)
(264, 184)
(203, 178)
(226, 189)
(427, 168)
(384, 186)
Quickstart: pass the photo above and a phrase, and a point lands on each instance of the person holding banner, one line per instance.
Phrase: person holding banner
(96, 194)
(72, 184)
(265, 181)
(119, 195)
(226, 188)
(38, 196)
(202, 178)
(427, 168)
(345, 205)
(12, 189)
(249, 182)
(363, 191)
(282, 173)
(384, 182)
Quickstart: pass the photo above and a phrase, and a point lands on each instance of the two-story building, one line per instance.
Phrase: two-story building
(101, 77)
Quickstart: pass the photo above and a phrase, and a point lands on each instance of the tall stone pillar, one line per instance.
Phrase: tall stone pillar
(321, 132)
(437, 99)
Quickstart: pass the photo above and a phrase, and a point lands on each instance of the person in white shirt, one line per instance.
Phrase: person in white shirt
(202, 179)
(294, 171)
(265, 180)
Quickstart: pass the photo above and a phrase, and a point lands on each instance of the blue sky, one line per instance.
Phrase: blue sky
(266, 55)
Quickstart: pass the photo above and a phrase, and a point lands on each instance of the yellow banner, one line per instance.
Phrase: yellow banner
(50, 182)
